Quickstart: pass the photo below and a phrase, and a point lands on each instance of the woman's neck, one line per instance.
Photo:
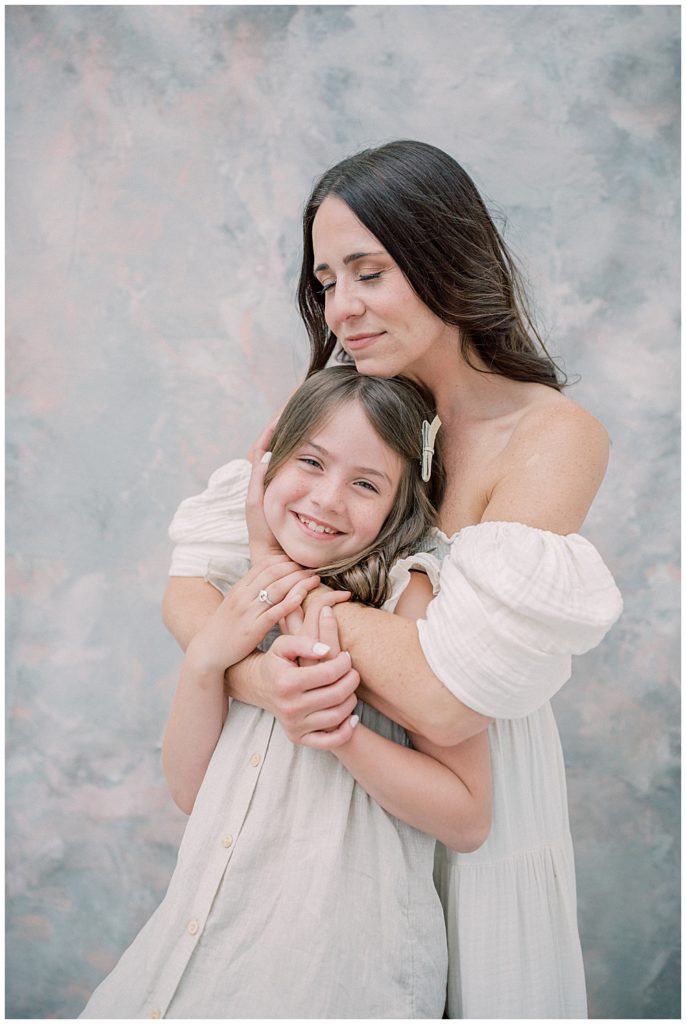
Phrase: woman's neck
(464, 393)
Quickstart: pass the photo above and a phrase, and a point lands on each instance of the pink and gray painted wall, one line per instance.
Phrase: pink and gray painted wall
(157, 161)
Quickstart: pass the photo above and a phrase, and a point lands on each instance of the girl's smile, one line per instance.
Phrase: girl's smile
(317, 527)
(330, 499)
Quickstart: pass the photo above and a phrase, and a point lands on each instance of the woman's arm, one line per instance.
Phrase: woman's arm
(443, 791)
(188, 603)
(553, 469)
(397, 680)
(554, 466)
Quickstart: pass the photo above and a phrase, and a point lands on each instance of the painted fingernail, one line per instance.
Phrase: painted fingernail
(265, 458)
(326, 612)
(354, 719)
(320, 648)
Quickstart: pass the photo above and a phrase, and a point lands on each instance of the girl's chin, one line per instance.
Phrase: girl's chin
(302, 557)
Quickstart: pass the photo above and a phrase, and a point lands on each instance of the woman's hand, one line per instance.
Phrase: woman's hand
(312, 697)
(263, 544)
(243, 619)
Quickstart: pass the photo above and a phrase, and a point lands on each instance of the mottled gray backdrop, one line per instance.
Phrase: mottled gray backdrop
(158, 158)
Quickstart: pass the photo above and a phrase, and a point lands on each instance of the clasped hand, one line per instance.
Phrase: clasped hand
(312, 697)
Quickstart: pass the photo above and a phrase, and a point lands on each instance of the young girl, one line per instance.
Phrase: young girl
(300, 892)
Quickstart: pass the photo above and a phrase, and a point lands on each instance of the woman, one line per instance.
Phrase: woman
(404, 268)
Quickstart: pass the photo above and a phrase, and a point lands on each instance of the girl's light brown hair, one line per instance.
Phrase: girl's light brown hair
(396, 409)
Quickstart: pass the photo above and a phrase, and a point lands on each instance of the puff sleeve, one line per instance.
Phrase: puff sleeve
(515, 604)
(209, 530)
(422, 561)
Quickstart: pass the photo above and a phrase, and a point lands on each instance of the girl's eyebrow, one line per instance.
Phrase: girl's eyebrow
(364, 470)
(348, 259)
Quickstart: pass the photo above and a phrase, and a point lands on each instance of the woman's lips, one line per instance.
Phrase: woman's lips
(357, 341)
(315, 534)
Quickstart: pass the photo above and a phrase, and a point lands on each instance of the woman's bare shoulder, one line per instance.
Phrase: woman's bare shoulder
(553, 465)
(557, 420)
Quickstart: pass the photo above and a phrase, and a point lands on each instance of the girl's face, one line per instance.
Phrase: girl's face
(330, 498)
(368, 302)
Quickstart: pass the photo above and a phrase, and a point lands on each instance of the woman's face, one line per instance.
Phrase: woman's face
(330, 498)
(368, 302)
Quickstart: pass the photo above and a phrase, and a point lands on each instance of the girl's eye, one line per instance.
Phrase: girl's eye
(325, 287)
(310, 461)
(370, 277)
(365, 484)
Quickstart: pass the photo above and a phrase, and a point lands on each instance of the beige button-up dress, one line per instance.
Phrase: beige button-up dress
(295, 895)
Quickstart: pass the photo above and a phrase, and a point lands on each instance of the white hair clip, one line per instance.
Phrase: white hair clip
(429, 431)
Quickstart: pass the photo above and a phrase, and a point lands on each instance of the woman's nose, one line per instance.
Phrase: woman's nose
(345, 302)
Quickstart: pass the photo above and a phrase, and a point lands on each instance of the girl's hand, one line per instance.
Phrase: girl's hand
(315, 601)
(263, 544)
(310, 686)
(254, 606)
(294, 623)
(314, 617)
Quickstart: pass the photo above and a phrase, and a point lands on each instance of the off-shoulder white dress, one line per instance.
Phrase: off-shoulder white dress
(515, 604)
(295, 894)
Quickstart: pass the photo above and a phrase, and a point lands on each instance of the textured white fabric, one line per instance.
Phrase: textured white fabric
(295, 895)
(514, 604)
(209, 532)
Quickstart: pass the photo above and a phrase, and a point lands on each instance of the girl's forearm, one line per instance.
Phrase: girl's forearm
(193, 728)
(417, 789)
(397, 680)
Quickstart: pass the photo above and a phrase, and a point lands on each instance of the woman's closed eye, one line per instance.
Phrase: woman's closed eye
(328, 285)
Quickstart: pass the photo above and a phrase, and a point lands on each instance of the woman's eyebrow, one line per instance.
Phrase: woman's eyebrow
(348, 259)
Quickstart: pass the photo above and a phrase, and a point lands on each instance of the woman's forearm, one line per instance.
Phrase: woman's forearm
(243, 682)
(417, 789)
(396, 678)
(188, 603)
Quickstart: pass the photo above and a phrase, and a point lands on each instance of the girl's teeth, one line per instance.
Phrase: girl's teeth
(315, 526)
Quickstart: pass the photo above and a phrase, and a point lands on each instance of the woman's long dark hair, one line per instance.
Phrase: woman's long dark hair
(427, 213)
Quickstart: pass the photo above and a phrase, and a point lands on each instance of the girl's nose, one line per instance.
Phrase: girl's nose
(327, 495)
